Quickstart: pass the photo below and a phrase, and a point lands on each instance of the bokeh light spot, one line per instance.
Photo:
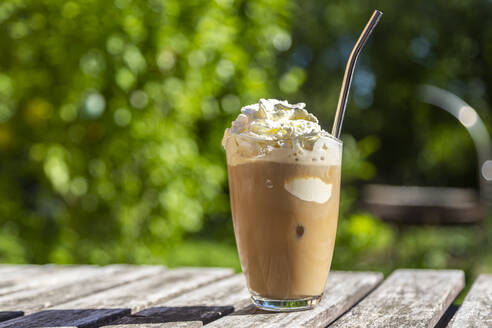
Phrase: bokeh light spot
(166, 60)
(230, 103)
(225, 69)
(18, 30)
(92, 63)
(122, 116)
(173, 85)
(197, 58)
(125, 78)
(5, 112)
(94, 105)
(78, 186)
(139, 99)
(5, 85)
(134, 59)
(225, 3)
(122, 4)
(70, 10)
(467, 116)
(56, 170)
(68, 113)
(115, 44)
(292, 80)
(487, 170)
(282, 41)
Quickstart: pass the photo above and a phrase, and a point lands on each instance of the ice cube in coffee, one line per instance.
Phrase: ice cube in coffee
(284, 178)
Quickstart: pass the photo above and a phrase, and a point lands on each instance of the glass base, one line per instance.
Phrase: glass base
(299, 304)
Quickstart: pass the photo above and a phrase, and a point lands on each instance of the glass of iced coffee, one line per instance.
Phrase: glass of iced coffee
(284, 178)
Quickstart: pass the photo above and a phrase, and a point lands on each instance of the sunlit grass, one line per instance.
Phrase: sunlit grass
(204, 253)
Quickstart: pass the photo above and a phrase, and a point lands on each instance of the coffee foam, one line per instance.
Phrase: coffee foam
(242, 150)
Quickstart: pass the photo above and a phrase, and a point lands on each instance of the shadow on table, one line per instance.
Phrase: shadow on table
(251, 309)
(85, 318)
(7, 315)
(203, 314)
(66, 318)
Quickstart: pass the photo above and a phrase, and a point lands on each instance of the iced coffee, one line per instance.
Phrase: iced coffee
(284, 178)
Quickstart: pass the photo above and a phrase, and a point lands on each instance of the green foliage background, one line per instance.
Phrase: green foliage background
(112, 112)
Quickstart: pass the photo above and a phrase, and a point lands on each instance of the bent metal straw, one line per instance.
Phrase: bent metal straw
(349, 71)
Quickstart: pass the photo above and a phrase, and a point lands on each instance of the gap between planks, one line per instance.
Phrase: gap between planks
(407, 298)
(476, 310)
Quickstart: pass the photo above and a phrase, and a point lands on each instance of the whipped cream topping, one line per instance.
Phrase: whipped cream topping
(276, 120)
(272, 126)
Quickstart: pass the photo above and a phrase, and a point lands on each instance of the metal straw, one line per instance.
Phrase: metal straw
(349, 71)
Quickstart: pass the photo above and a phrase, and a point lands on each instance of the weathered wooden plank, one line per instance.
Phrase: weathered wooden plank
(37, 299)
(408, 298)
(141, 294)
(192, 309)
(476, 310)
(103, 307)
(10, 275)
(343, 290)
(35, 278)
(48, 275)
(76, 318)
(213, 301)
(7, 268)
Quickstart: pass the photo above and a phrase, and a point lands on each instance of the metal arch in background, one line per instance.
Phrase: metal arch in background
(469, 118)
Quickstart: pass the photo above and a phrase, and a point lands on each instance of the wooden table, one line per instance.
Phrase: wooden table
(153, 296)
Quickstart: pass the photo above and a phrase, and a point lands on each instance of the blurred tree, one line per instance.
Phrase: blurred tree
(111, 115)
(112, 112)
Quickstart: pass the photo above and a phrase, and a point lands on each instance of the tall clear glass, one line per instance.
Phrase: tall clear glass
(285, 211)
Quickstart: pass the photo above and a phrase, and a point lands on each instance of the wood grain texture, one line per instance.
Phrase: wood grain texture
(476, 310)
(7, 268)
(6, 273)
(408, 298)
(343, 290)
(192, 309)
(12, 275)
(185, 324)
(141, 294)
(43, 276)
(108, 305)
(37, 299)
